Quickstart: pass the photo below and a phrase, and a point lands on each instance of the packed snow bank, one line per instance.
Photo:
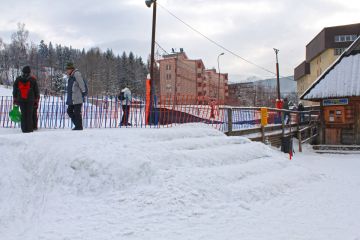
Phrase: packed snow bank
(188, 182)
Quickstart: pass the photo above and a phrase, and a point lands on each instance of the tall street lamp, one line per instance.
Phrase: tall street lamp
(152, 61)
(218, 92)
(277, 74)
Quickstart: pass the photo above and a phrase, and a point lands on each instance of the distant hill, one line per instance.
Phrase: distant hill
(287, 84)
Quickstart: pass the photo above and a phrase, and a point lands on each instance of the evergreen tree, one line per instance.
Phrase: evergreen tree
(123, 81)
(105, 72)
(58, 84)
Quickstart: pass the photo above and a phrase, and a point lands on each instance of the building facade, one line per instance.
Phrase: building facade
(216, 85)
(322, 51)
(338, 92)
(181, 77)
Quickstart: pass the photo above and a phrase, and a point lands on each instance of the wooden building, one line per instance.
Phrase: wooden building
(338, 91)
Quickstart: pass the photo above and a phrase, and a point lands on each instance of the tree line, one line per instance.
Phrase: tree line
(105, 72)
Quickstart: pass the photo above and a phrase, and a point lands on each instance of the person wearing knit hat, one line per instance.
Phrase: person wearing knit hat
(25, 94)
(76, 91)
(26, 70)
(70, 66)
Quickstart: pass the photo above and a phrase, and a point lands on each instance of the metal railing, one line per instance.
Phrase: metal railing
(107, 112)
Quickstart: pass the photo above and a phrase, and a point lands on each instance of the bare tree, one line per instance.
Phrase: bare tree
(18, 48)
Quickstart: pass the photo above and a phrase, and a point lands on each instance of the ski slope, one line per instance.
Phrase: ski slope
(185, 182)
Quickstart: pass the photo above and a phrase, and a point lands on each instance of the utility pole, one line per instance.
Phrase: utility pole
(278, 94)
(218, 91)
(176, 69)
(277, 74)
(152, 61)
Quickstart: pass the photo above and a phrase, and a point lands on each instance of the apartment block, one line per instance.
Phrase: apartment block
(183, 77)
(322, 51)
(217, 85)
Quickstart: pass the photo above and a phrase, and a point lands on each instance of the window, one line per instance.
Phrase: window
(345, 38)
(168, 76)
(339, 51)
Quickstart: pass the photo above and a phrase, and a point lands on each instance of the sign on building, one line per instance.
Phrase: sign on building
(333, 102)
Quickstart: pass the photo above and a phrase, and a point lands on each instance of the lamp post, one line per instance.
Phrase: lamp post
(218, 92)
(279, 103)
(277, 74)
(152, 61)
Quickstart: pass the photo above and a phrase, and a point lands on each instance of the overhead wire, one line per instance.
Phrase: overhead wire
(219, 45)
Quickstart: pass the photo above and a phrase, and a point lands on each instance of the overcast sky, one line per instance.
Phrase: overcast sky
(250, 28)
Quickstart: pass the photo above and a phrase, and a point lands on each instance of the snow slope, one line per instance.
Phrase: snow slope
(4, 91)
(188, 182)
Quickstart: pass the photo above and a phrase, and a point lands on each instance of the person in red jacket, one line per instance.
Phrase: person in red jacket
(25, 94)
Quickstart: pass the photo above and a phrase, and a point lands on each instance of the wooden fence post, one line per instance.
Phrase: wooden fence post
(282, 123)
(299, 138)
(229, 111)
(263, 134)
(298, 130)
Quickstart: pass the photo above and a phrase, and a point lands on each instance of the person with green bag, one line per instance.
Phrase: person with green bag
(25, 94)
(15, 114)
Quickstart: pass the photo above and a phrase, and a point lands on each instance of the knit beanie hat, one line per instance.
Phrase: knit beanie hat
(70, 65)
(26, 70)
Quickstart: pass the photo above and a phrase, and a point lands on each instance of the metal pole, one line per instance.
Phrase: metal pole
(175, 88)
(218, 92)
(277, 74)
(152, 60)
(152, 77)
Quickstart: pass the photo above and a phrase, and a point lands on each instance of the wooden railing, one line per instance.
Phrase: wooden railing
(281, 123)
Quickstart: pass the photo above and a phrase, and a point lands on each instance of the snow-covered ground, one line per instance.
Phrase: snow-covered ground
(185, 182)
(5, 91)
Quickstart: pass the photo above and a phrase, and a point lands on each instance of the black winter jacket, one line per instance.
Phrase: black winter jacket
(25, 89)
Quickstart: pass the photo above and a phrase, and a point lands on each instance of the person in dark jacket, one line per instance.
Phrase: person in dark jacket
(301, 108)
(286, 107)
(75, 95)
(125, 101)
(25, 94)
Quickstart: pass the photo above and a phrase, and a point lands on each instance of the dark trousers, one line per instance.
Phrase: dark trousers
(74, 112)
(125, 117)
(35, 118)
(26, 116)
(287, 118)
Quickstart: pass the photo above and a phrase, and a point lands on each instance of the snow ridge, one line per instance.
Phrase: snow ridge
(126, 183)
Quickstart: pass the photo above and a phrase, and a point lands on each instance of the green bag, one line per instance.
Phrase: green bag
(15, 114)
